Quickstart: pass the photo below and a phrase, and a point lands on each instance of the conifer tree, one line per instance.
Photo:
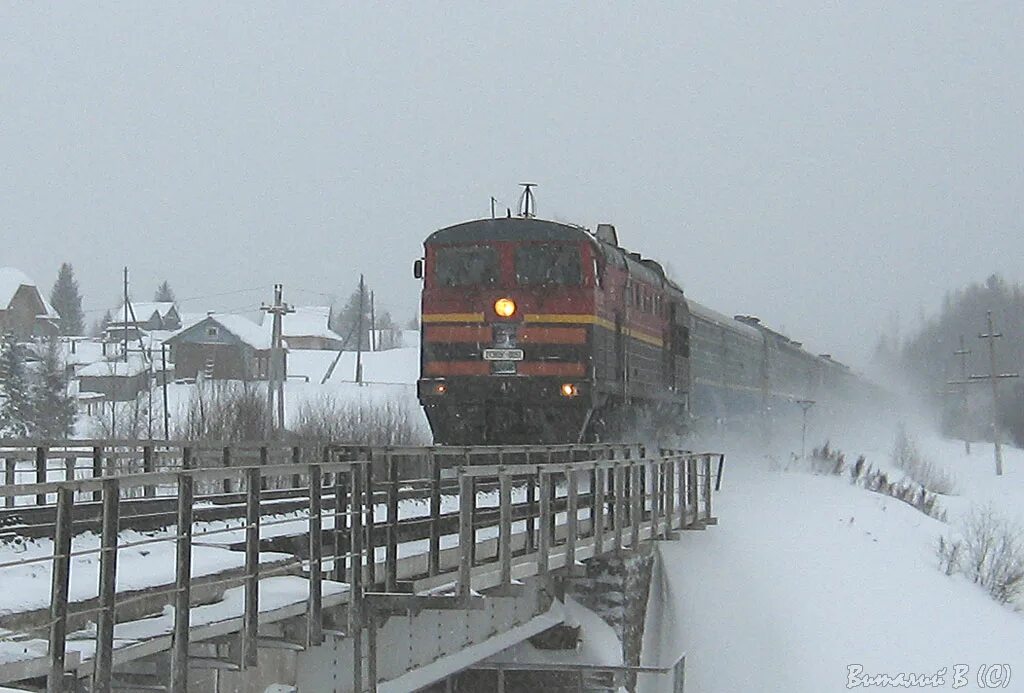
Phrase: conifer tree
(164, 293)
(53, 409)
(15, 405)
(67, 301)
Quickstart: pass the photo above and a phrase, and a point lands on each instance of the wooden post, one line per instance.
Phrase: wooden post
(670, 497)
(505, 525)
(391, 555)
(619, 500)
(707, 487)
(371, 550)
(597, 510)
(69, 465)
(655, 499)
(691, 487)
(681, 490)
(103, 670)
(545, 538)
(636, 511)
(571, 517)
(531, 510)
(264, 461)
(97, 469)
(467, 502)
(296, 460)
(355, 603)
(340, 519)
(10, 472)
(148, 467)
(225, 457)
(434, 550)
(41, 452)
(182, 578)
(59, 587)
(251, 615)
(314, 622)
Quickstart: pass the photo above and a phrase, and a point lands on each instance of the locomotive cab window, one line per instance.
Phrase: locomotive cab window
(466, 265)
(548, 263)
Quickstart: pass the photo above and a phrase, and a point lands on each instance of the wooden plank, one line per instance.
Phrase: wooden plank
(505, 527)
(467, 502)
(434, 544)
(314, 620)
(251, 613)
(41, 473)
(182, 579)
(59, 587)
(103, 672)
(391, 552)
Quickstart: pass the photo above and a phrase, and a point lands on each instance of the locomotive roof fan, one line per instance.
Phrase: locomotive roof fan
(527, 202)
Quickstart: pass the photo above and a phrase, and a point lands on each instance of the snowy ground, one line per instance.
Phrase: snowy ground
(807, 575)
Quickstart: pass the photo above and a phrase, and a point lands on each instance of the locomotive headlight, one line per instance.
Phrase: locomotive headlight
(440, 388)
(505, 307)
(569, 390)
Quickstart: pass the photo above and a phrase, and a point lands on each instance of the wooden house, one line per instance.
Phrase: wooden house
(221, 347)
(24, 312)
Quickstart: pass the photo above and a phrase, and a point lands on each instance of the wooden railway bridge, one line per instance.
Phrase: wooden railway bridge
(142, 565)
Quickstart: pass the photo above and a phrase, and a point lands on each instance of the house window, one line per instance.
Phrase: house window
(211, 332)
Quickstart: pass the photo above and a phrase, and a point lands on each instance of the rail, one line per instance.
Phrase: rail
(372, 530)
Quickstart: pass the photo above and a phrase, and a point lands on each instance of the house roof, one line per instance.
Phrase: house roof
(12, 279)
(136, 364)
(244, 329)
(144, 311)
(306, 321)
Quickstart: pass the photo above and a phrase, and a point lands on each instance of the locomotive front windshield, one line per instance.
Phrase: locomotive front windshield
(466, 265)
(548, 263)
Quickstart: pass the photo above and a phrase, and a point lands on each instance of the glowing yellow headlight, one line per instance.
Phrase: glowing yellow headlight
(569, 390)
(505, 307)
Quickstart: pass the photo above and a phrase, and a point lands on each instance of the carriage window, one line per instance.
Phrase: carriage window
(548, 263)
(465, 265)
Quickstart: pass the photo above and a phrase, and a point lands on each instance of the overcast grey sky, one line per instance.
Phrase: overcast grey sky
(819, 167)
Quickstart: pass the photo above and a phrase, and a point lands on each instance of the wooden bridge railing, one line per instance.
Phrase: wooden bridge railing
(515, 512)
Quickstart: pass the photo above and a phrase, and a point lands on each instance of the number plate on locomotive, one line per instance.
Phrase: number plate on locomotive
(503, 354)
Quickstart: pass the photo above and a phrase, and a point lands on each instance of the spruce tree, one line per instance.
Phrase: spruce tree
(346, 321)
(164, 293)
(15, 405)
(53, 409)
(67, 301)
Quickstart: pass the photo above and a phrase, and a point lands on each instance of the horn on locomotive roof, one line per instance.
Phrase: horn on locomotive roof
(527, 202)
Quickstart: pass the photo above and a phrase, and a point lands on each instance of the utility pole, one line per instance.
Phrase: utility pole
(805, 405)
(359, 332)
(373, 325)
(993, 377)
(163, 364)
(125, 324)
(276, 374)
(963, 352)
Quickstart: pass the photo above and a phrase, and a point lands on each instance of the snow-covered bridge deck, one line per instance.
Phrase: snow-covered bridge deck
(294, 559)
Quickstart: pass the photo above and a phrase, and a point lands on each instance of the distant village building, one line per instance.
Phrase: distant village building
(149, 317)
(117, 381)
(307, 328)
(221, 347)
(24, 312)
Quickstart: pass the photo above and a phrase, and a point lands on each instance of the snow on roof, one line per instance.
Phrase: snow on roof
(12, 279)
(306, 321)
(190, 319)
(135, 365)
(144, 311)
(246, 330)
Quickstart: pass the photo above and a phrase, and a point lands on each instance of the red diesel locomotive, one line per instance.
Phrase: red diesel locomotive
(542, 332)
